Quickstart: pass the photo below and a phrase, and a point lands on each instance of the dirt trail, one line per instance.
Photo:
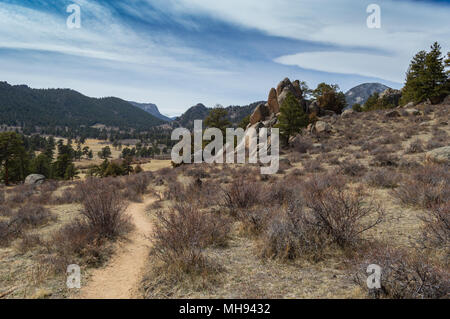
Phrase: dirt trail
(120, 277)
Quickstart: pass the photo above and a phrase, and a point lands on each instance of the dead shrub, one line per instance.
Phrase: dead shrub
(382, 178)
(181, 235)
(339, 212)
(312, 166)
(353, 169)
(32, 216)
(385, 160)
(28, 242)
(8, 232)
(104, 208)
(404, 276)
(415, 147)
(241, 194)
(425, 187)
(302, 145)
(77, 243)
(436, 232)
(291, 234)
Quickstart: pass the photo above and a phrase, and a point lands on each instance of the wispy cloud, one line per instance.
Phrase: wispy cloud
(178, 53)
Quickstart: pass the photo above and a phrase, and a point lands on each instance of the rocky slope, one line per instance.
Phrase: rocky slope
(360, 94)
(152, 109)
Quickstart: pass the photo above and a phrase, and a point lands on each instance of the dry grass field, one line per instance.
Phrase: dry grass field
(360, 194)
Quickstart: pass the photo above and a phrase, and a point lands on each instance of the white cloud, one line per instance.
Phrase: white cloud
(407, 27)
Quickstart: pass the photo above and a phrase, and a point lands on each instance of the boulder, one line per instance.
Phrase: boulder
(285, 83)
(439, 155)
(274, 107)
(34, 179)
(259, 114)
(411, 112)
(322, 127)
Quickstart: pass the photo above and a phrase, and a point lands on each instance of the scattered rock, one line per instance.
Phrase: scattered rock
(322, 127)
(439, 155)
(34, 179)
(409, 105)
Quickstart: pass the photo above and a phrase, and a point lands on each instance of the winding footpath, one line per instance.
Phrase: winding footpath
(120, 278)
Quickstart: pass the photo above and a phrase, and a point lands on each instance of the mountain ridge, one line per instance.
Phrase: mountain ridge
(360, 93)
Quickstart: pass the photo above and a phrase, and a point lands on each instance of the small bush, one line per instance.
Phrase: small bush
(291, 234)
(415, 147)
(181, 235)
(241, 194)
(436, 232)
(404, 276)
(76, 242)
(104, 208)
(353, 169)
(426, 187)
(382, 178)
(32, 216)
(340, 213)
(8, 232)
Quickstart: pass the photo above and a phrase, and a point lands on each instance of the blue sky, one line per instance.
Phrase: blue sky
(180, 53)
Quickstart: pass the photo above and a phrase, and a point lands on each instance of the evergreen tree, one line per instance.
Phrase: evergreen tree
(105, 153)
(13, 157)
(218, 118)
(41, 164)
(292, 118)
(426, 77)
(329, 98)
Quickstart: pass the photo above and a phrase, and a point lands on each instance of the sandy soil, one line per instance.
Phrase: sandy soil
(120, 278)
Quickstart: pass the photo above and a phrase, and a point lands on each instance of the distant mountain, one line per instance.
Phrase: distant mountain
(152, 109)
(360, 94)
(47, 109)
(199, 112)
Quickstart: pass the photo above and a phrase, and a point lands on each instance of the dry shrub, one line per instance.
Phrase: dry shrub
(32, 216)
(415, 147)
(302, 145)
(28, 242)
(136, 186)
(68, 196)
(425, 187)
(181, 235)
(76, 243)
(339, 212)
(404, 276)
(312, 166)
(104, 208)
(8, 232)
(291, 234)
(436, 231)
(383, 178)
(353, 169)
(241, 194)
(385, 159)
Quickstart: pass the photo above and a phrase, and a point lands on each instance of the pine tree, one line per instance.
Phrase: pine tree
(218, 118)
(292, 118)
(426, 77)
(329, 98)
(13, 157)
